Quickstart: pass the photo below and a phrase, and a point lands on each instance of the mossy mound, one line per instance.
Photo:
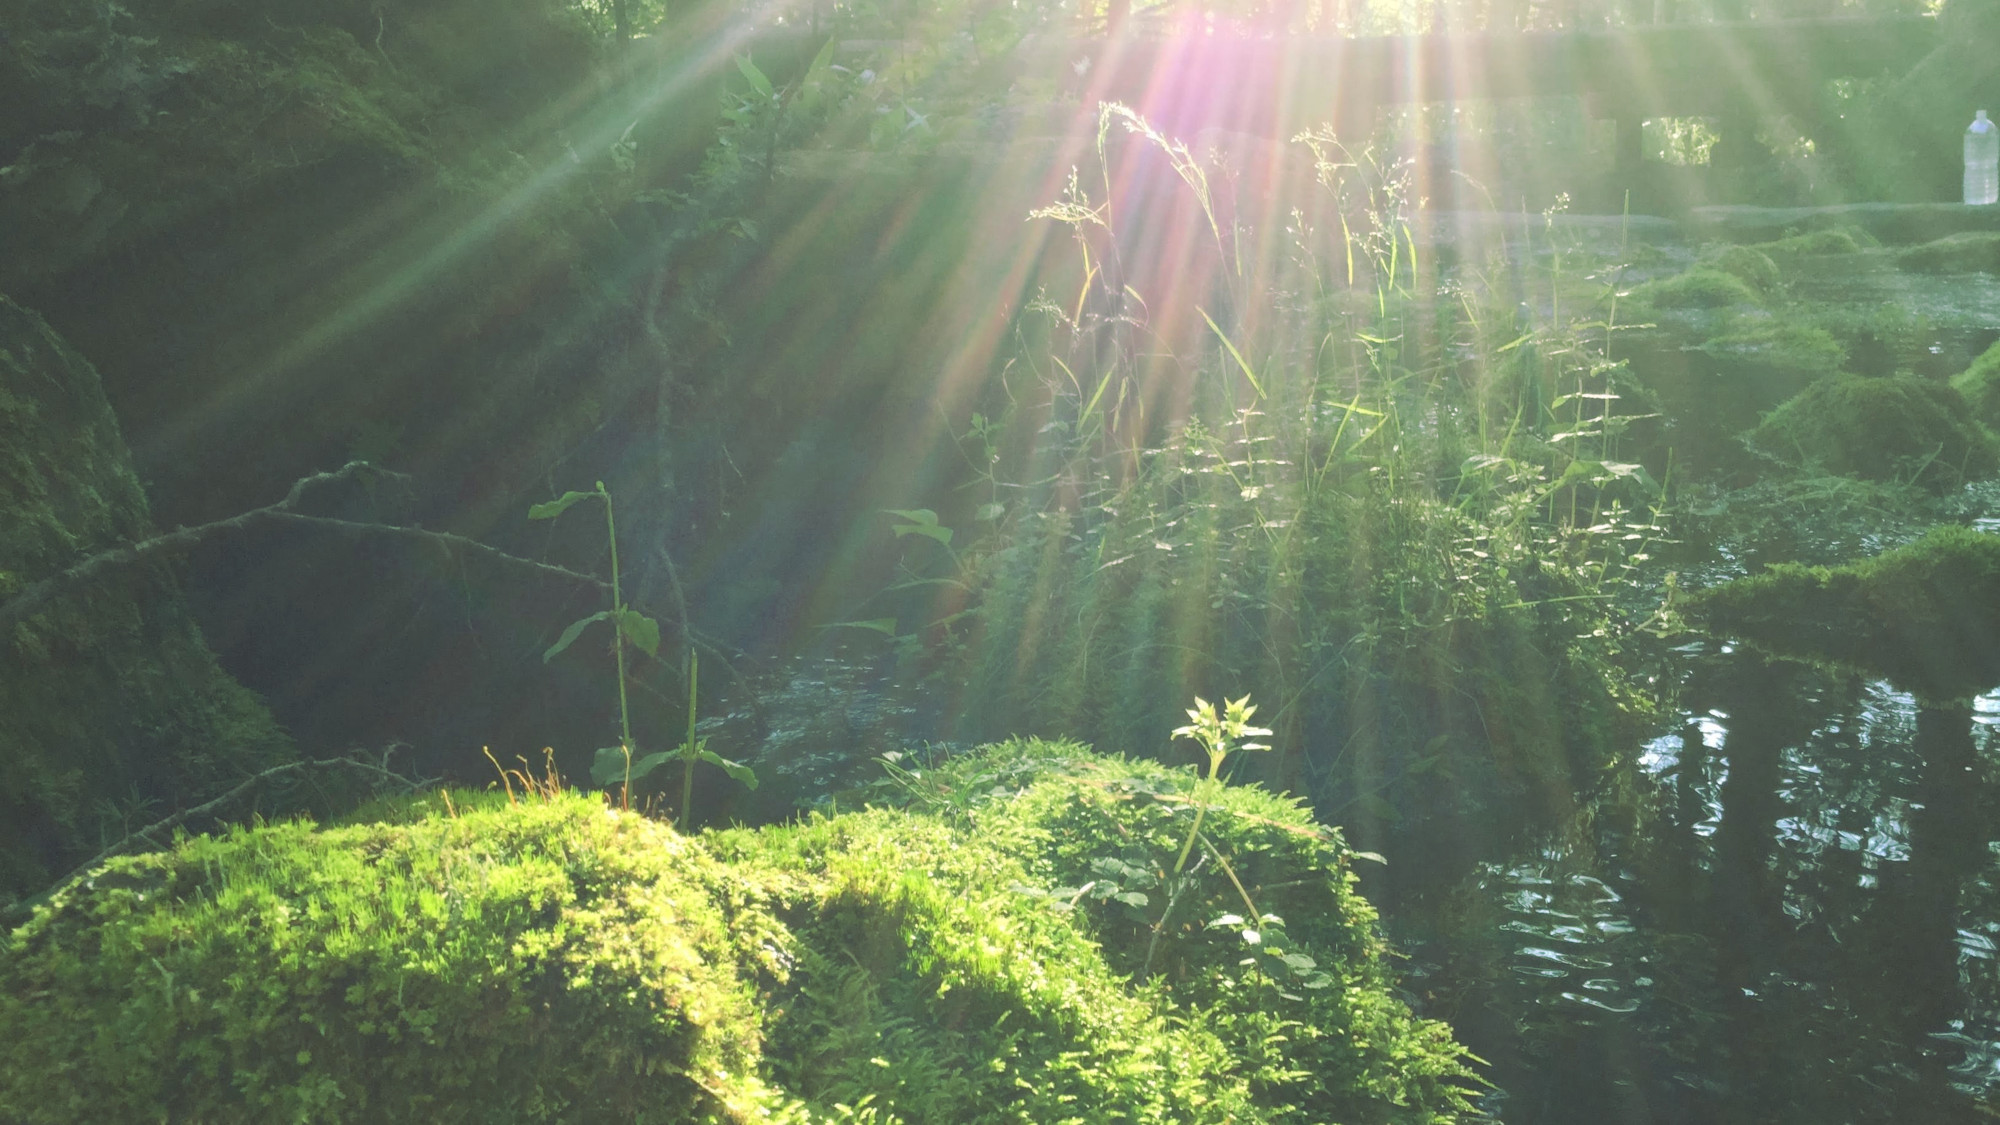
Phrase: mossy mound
(112, 709)
(1958, 253)
(1702, 287)
(1897, 429)
(1812, 244)
(1749, 264)
(1776, 353)
(1925, 616)
(1980, 384)
(475, 960)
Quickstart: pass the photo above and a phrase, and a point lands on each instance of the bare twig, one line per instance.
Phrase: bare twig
(33, 597)
(150, 834)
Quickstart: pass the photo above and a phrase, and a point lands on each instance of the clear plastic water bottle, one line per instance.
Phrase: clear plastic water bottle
(1982, 161)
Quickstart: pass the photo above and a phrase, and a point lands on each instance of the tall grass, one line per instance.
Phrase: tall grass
(1391, 502)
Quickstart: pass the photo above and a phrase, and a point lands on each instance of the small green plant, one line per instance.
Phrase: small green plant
(1221, 731)
(615, 762)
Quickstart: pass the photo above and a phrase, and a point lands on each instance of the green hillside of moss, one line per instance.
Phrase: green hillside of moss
(974, 955)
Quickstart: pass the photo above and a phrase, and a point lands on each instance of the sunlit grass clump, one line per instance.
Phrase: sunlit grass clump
(485, 960)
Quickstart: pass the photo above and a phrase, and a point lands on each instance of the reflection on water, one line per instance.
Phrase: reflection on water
(1662, 985)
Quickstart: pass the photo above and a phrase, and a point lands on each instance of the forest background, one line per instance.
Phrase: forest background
(941, 404)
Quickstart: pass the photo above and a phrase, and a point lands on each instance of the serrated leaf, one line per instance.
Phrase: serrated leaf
(550, 509)
(641, 630)
(736, 770)
(574, 631)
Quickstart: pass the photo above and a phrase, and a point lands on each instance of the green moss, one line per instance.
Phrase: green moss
(1958, 253)
(964, 958)
(1075, 820)
(1834, 240)
(1776, 352)
(1702, 287)
(1749, 264)
(112, 710)
(1896, 429)
(1980, 384)
(1925, 616)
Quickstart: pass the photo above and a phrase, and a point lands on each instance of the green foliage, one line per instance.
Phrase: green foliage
(470, 958)
(1923, 616)
(644, 634)
(1896, 429)
(1427, 563)
(1980, 384)
(113, 711)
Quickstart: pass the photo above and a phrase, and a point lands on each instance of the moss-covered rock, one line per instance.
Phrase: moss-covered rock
(111, 706)
(1702, 287)
(1778, 354)
(1925, 616)
(1749, 264)
(1958, 253)
(1980, 384)
(1812, 244)
(1896, 429)
(968, 958)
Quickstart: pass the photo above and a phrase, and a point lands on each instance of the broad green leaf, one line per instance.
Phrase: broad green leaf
(651, 762)
(641, 630)
(755, 77)
(736, 770)
(574, 631)
(1132, 898)
(553, 508)
(921, 521)
(609, 765)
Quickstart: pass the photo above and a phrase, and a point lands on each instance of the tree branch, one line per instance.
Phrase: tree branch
(33, 597)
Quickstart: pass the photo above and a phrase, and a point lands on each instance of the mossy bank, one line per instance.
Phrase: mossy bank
(980, 949)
